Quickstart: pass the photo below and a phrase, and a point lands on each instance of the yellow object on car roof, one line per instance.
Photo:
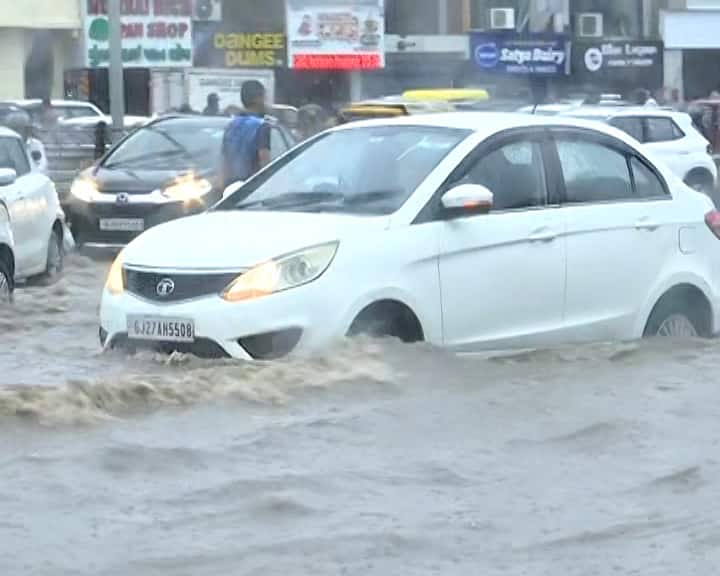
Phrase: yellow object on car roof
(446, 95)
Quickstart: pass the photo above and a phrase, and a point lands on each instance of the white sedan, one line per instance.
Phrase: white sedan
(36, 219)
(471, 231)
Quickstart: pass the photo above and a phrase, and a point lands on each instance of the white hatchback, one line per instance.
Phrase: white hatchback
(36, 218)
(670, 135)
(470, 230)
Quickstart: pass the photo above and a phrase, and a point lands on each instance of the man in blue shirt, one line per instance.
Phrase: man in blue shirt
(246, 144)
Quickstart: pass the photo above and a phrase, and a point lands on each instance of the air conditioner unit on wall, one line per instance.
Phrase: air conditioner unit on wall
(207, 10)
(590, 25)
(502, 18)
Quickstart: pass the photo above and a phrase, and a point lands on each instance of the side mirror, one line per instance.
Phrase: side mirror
(7, 176)
(234, 187)
(468, 198)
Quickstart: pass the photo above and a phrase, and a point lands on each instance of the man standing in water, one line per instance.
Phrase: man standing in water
(246, 144)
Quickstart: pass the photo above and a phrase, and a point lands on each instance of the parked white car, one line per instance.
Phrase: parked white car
(7, 256)
(470, 231)
(36, 218)
(670, 135)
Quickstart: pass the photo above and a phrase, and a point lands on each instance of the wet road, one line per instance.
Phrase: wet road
(373, 459)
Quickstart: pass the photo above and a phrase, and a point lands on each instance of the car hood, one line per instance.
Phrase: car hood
(118, 180)
(240, 239)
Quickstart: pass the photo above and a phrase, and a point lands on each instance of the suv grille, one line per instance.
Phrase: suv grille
(159, 287)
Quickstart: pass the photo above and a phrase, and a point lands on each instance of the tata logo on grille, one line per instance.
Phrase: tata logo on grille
(165, 287)
(122, 199)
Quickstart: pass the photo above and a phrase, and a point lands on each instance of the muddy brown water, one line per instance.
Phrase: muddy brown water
(374, 458)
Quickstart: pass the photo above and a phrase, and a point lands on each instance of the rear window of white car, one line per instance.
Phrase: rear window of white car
(662, 130)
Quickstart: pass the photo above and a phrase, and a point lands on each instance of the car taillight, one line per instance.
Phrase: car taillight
(712, 219)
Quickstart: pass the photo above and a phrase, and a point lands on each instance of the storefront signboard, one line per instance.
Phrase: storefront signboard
(638, 62)
(510, 53)
(224, 45)
(156, 34)
(336, 34)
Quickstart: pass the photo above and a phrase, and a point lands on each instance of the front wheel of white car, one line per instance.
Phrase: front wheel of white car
(683, 313)
(6, 282)
(55, 257)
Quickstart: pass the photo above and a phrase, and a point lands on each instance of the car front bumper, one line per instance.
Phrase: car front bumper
(295, 321)
(84, 219)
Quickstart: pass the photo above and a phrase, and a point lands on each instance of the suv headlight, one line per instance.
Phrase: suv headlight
(186, 189)
(282, 273)
(84, 189)
(115, 283)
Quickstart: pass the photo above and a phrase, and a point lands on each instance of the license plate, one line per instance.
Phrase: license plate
(160, 329)
(122, 224)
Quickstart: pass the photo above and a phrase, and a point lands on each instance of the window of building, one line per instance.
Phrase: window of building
(621, 18)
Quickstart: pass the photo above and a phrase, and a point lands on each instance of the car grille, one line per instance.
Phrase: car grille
(184, 286)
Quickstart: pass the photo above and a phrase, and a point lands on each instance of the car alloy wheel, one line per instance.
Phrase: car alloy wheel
(677, 326)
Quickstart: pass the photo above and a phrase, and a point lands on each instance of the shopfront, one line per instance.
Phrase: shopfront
(692, 51)
(510, 64)
(330, 42)
(156, 35)
(621, 66)
(247, 43)
(36, 46)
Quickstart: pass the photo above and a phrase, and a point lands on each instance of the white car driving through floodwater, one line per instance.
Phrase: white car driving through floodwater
(470, 231)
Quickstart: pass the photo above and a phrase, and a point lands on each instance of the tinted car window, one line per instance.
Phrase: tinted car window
(13, 156)
(631, 126)
(661, 130)
(647, 184)
(74, 111)
(593, 172)
(514, 174)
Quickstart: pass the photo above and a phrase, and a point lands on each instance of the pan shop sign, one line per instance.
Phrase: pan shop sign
(540, 55)
(155, 34)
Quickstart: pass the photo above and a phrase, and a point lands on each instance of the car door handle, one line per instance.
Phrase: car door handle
(645, 224)
(542, 235)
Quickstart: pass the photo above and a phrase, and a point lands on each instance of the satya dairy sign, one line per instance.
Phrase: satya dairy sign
(336, 34)
(155, 33)
(511, 54)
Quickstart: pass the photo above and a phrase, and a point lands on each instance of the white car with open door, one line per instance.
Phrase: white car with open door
(470, 231)
(36, 218)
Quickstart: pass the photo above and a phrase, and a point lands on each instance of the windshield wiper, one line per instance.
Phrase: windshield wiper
(294, 200)
(372, 196)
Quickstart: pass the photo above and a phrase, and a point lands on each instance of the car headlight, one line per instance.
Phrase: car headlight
(115, 283)
(282, 273)
(84, 189)
(186, 189)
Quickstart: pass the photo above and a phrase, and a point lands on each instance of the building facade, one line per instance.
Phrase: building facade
(689, 29)
(37, 43)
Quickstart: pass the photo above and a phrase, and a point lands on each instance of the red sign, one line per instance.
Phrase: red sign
(336, 61)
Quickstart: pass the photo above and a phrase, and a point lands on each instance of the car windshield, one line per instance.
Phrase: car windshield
(378, 170)
(183, 143)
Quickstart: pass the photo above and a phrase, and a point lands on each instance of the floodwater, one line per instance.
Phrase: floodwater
(374, 459)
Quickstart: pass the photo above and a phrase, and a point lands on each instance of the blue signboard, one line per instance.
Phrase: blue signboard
(510, 53)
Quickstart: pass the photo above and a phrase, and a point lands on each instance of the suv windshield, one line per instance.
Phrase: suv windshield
(171, 145)
(377, 171)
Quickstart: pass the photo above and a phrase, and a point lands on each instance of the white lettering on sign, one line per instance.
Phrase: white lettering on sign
(544, 55)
